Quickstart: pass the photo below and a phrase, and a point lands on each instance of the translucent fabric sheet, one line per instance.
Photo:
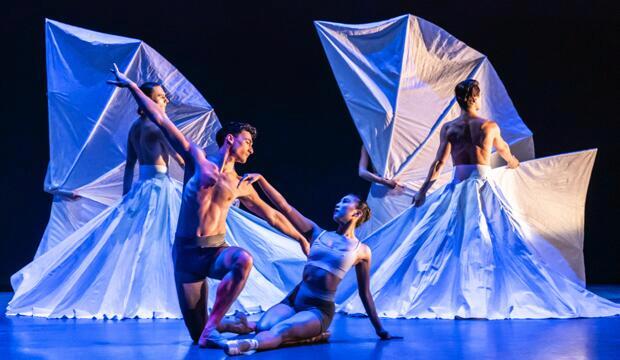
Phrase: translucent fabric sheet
(89, 122)
(397, 78)
(478, 248)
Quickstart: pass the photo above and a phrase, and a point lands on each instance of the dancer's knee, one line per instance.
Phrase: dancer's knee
(263, 325)
(195, 335)
(282, 330)
(194, 326)
(243, 263)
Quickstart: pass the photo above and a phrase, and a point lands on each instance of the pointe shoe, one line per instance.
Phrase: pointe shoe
(234, 347)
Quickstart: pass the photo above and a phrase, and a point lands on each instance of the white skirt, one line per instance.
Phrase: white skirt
(463, 254)
(118, 265)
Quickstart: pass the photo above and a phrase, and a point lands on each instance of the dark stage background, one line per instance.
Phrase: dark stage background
(262, 62)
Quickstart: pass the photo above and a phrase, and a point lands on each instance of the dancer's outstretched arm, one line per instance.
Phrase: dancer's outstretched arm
(130, 164)
(362, 270)
(502, 147)
(275, 218)
(180, 143)
(367, 175)
(443, 154)
(302, 223)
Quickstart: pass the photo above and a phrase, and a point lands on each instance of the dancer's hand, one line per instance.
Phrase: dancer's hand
(71, 195)
(250, 178)
(121, 79)
(384, 335)
(419, 199)
(391, 183)
(513, 163)
(394, 185)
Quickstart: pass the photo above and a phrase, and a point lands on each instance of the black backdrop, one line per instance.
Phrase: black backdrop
(262, 62)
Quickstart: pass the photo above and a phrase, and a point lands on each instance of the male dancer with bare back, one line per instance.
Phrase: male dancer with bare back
(211, 186)
(466, 254)
(469, 139)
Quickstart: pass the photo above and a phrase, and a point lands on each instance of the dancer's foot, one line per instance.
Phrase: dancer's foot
(237, 323)
(211, 338)
(240, 347)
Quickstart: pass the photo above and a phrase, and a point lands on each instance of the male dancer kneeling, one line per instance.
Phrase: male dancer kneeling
(309, 309)
(200, 250)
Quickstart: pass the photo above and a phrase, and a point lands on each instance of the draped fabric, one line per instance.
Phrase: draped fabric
(473, 251)
(397, 78)
(99, 252)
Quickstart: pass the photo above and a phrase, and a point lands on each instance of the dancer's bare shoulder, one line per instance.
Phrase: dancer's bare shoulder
(152, 131)
(488, 127)
(364, 253)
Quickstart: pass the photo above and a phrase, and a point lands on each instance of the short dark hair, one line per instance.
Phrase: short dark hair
(364, 208)
(147, 87)
(234, 128)
(465, 93)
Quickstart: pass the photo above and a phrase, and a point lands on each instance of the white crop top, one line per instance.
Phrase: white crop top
(336, 261)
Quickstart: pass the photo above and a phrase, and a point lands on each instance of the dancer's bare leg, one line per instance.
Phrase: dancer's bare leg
(273, 316)
(303, 325)
(232, 266)
(238, 323)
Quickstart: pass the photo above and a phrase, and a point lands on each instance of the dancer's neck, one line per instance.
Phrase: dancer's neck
(469, 113)
(347, 230)
(223, 160)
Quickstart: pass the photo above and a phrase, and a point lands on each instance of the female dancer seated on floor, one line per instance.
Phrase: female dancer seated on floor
(308, 310)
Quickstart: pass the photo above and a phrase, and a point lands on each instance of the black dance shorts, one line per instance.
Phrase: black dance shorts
(194, 257)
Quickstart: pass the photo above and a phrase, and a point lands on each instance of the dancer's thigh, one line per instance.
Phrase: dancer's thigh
(274, 315)
(303, 325)
(225, 260)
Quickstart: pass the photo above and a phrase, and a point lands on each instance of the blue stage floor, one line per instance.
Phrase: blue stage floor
(352, 338)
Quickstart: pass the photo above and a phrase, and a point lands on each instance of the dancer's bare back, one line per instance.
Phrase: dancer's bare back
(468, 140)
(471, 140)
(149, 144)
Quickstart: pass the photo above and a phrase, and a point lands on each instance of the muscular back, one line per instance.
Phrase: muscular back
(149, 143)
(471, 140)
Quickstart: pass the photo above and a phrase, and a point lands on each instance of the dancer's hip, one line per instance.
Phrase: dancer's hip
(464, 172)
(195, 256)
(205, 241)
(305, 298)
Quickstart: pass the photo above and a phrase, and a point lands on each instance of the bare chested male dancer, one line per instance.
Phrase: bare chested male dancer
(211, 186)
(469, 138)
